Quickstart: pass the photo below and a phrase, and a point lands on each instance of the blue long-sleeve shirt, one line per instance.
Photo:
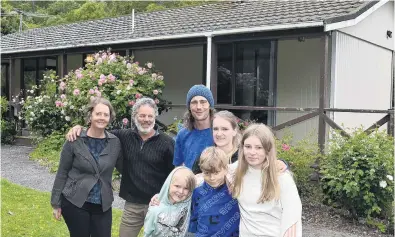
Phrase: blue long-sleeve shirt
(214, 212)
(190, 144)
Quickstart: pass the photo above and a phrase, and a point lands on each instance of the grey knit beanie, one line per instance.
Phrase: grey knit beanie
(200, 90)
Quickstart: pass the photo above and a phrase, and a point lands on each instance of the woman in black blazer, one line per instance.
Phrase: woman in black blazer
(82, 191)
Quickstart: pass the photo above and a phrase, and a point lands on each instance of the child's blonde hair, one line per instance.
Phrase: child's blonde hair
(213, 159)
(270, 186)
(189, 177)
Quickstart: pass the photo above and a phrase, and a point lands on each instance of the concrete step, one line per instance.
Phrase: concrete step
(23, 141)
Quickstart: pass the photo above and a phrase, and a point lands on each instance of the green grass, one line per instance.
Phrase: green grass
(27, 212)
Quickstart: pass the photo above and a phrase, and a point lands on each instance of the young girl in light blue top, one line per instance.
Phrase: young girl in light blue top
(171, 217)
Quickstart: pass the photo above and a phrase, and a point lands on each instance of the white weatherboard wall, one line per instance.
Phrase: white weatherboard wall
(181, 67)
(298, 73)
(374, 27)
(361, 79)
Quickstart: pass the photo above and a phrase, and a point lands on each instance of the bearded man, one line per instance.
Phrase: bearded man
(148, 156)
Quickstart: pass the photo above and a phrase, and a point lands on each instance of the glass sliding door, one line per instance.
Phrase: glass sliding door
(246, 77)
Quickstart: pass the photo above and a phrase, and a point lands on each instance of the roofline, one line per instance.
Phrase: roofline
(354, 18)
(180, 36)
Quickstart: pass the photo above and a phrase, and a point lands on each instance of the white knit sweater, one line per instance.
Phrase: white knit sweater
(269, 219)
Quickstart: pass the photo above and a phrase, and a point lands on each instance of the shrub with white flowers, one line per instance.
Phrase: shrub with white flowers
(61, 102)
(358, 172)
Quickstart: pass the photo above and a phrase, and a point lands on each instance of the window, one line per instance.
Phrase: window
(246, 77)
(4, 80)
(34, 68)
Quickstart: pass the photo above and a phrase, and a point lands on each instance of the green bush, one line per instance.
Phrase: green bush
(48, 150)
(358, 172)
(7, 126)
(300, 156)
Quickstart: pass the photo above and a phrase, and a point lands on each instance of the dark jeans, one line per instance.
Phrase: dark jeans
(87, 221)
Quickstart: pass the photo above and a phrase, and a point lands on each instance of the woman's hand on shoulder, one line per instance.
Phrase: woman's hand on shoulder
(281, 166)
(154, 200)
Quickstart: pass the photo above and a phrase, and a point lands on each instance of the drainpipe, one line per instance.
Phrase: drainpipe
(208, 66)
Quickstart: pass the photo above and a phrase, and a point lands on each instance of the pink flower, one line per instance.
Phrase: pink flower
(160, 77)
(154, 76)
(111, 77)
(98, 93)
(131, 103)
(101, 82)
(131, 82)
(155, 92)
(102, 76)
(97, 55)
(99, 61)
(62, 86)
(104, 56)
(79, 75)
(137, 63)
(112, 57)
(138, 96)
(285, 147)
(156, 101)
(149, 65)
(58, 103)
(91, 74)
(63, 96)
(91, 92)
(141, 70)
(76, 92)
(125, 121)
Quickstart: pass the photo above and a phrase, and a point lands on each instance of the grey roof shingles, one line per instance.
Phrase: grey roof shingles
(205, 18)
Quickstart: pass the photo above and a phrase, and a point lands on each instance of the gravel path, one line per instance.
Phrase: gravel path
(17, 168)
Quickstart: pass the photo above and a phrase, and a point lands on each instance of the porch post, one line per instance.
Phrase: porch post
(208, 58)
(10, 78)
(391, 122)
(64, 64)
(323, 91)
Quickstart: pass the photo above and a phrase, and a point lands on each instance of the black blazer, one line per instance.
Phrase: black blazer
(78, 171)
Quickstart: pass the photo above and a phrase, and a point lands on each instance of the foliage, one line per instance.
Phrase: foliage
(300, 156)
(106, 74)
(63, 12)
(7, 125)
(48, 151)
(26, 212)
(40, 112)
(358, 173)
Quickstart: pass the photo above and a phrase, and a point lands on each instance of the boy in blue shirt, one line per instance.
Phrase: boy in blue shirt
(213, 210)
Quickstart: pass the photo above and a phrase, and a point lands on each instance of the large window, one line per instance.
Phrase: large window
(246, 77)
(34, 68)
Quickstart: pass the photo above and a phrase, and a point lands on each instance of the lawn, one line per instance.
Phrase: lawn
(27, 212)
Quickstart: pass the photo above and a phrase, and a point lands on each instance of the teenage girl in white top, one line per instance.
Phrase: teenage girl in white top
(269, 201)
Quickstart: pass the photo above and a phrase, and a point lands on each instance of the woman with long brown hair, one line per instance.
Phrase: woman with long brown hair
(269, 201)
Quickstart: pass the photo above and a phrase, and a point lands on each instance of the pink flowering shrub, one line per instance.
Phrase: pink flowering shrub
(119, 79)
(300, 155)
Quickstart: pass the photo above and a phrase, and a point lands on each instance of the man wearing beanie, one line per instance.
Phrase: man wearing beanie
(197, 134)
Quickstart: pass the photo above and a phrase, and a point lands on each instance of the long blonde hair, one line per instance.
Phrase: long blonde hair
(270, 186)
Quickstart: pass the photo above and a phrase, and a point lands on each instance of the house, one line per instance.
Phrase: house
(303, 64)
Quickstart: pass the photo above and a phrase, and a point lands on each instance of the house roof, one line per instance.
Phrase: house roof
(185, 22)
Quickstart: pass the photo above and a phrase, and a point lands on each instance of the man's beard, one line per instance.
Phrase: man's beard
(143, 130)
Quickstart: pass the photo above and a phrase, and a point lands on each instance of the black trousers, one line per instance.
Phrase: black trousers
(87, 221)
